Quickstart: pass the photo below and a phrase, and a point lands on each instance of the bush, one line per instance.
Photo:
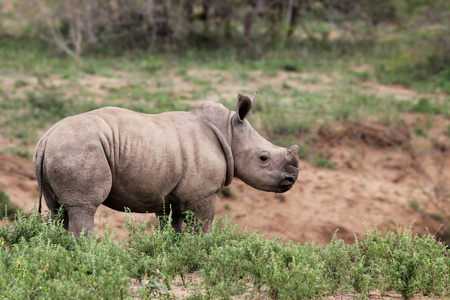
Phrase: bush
(38, 258)
(426, 106)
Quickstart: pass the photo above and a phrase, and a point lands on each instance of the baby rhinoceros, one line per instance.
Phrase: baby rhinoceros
(153, 163)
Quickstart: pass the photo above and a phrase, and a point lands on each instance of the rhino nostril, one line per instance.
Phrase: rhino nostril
(289, 179)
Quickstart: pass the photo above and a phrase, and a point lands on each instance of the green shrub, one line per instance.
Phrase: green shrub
(404, 262)
(226, 191)
(426, 106)
(38, 258)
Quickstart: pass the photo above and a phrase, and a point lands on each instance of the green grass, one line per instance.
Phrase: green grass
(435, 107)
(323, 162)
(38, 258)
(421, 60)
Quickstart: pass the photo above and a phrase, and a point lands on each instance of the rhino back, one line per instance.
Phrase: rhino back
(172, 155)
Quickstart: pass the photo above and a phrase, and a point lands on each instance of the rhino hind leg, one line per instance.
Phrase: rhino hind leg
(75, 218)
(82, 204)
(80, 217)
(81, 220)
(80, 190)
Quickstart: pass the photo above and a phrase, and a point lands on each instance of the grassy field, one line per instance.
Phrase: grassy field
(298, 93)
(305, 89)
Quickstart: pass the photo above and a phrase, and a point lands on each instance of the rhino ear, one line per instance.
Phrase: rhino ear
(244, 106)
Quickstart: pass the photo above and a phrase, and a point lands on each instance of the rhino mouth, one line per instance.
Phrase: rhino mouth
(288, 182)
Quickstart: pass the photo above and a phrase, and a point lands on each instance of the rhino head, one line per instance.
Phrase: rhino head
(258, 162)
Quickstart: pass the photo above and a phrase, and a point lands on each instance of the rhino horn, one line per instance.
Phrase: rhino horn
(293, 151)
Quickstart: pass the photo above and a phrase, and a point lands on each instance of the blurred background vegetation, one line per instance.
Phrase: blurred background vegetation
(249, 29)
(403, 42)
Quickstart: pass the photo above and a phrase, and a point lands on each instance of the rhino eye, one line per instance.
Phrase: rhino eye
(263, 158)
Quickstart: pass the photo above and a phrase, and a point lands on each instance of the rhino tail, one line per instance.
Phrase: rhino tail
(38, 161)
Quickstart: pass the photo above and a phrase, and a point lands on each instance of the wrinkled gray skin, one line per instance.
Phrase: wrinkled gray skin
(121, 158)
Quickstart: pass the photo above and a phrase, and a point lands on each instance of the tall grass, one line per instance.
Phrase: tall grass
(38, 258)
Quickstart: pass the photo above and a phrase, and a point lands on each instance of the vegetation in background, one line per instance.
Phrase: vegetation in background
(77, 27)
(409, 39)
(38, 258)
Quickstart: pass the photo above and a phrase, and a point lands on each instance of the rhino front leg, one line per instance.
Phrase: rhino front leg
(176, 220)
(205, 211)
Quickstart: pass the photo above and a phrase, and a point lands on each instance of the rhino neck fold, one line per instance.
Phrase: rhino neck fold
(225, 142)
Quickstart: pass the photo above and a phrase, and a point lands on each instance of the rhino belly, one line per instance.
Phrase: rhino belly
(134, 204)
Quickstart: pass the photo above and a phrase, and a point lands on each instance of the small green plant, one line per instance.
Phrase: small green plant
(151, 63)
(361, 76)
(323, 162)
(7, 208)
(153, 287)
(20, 152)
(20, 83)
(226, 192)
(415, 206)
(420, 131)
(424, 105)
